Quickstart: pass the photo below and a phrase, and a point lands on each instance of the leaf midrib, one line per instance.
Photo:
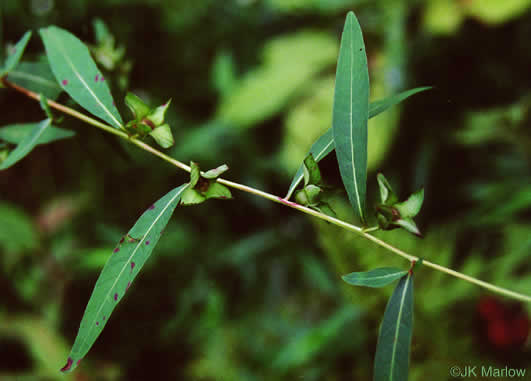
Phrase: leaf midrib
(92, 324)
(397, 330)
(356, 190)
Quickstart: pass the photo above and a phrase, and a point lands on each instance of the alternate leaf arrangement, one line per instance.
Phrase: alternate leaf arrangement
(74, 71)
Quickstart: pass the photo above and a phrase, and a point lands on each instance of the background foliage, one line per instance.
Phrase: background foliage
(245, 289)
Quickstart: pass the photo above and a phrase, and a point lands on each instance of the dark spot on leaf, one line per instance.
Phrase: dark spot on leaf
(96, 77)
(361, 49)
(68, 365)
(97, 323)
(78, 361)
(128, 284)
(102, 79)
(103, 317)
(152, 207)
(116, 297)
(122, 240)
(132, 265)
(116, 250)
(147, 242)
(64, 82)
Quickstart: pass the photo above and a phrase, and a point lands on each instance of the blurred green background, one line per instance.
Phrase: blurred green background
(246, 289)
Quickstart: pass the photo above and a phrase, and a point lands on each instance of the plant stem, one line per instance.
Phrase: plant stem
(364, 232)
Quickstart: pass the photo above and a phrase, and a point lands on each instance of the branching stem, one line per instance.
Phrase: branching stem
(364, 232)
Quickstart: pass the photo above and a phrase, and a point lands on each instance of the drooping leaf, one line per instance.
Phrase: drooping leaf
(375, 278)
(411, 207)
(14, 58)
(27, 144)
(122, 267)
(16, 133)
(351, 113)
(78, 75)
(409, 225)
(391, 362)
(37, 77)
(325, 143)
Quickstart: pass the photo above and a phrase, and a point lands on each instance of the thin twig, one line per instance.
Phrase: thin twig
(364, 232)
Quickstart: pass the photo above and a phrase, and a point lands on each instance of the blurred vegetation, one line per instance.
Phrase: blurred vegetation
(246, 289)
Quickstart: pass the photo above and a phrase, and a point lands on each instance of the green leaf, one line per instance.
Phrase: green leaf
(387, 196)
(409, 225)
(217, 190)
(192, 197)
(138, 107)
(27, 144)
(325, 143)
(380, 106)
(16, 133)
(195, 174)
(391, 362)
(163, 136)
(374, 278)
(351, 113)
(123, 266)
(37, 77)
(14, 58)
(312, 174)
(411, 207)
(78, 75)
(216, 172)
(322, 147)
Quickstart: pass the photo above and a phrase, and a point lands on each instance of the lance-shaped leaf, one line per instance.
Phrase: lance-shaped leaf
(27, 144)
(374, 278)
(14, 57)
(391, 362)
(351, 113)
(78, 75)
(387, 196)
(325, 143)
(122, 267)
(16, 133)
(37, 77)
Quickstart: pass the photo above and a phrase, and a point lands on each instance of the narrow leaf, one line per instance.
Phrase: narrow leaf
(16, 133)
(27, 144)
(122, 267)
(14, 58)
(382, 105)
(409, 225)
(37, 77)
(78, 75)
(325, 143)
(351, 112)
(391, 362)
(374, 278)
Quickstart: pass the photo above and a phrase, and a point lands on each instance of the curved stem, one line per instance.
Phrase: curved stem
(364, 232)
